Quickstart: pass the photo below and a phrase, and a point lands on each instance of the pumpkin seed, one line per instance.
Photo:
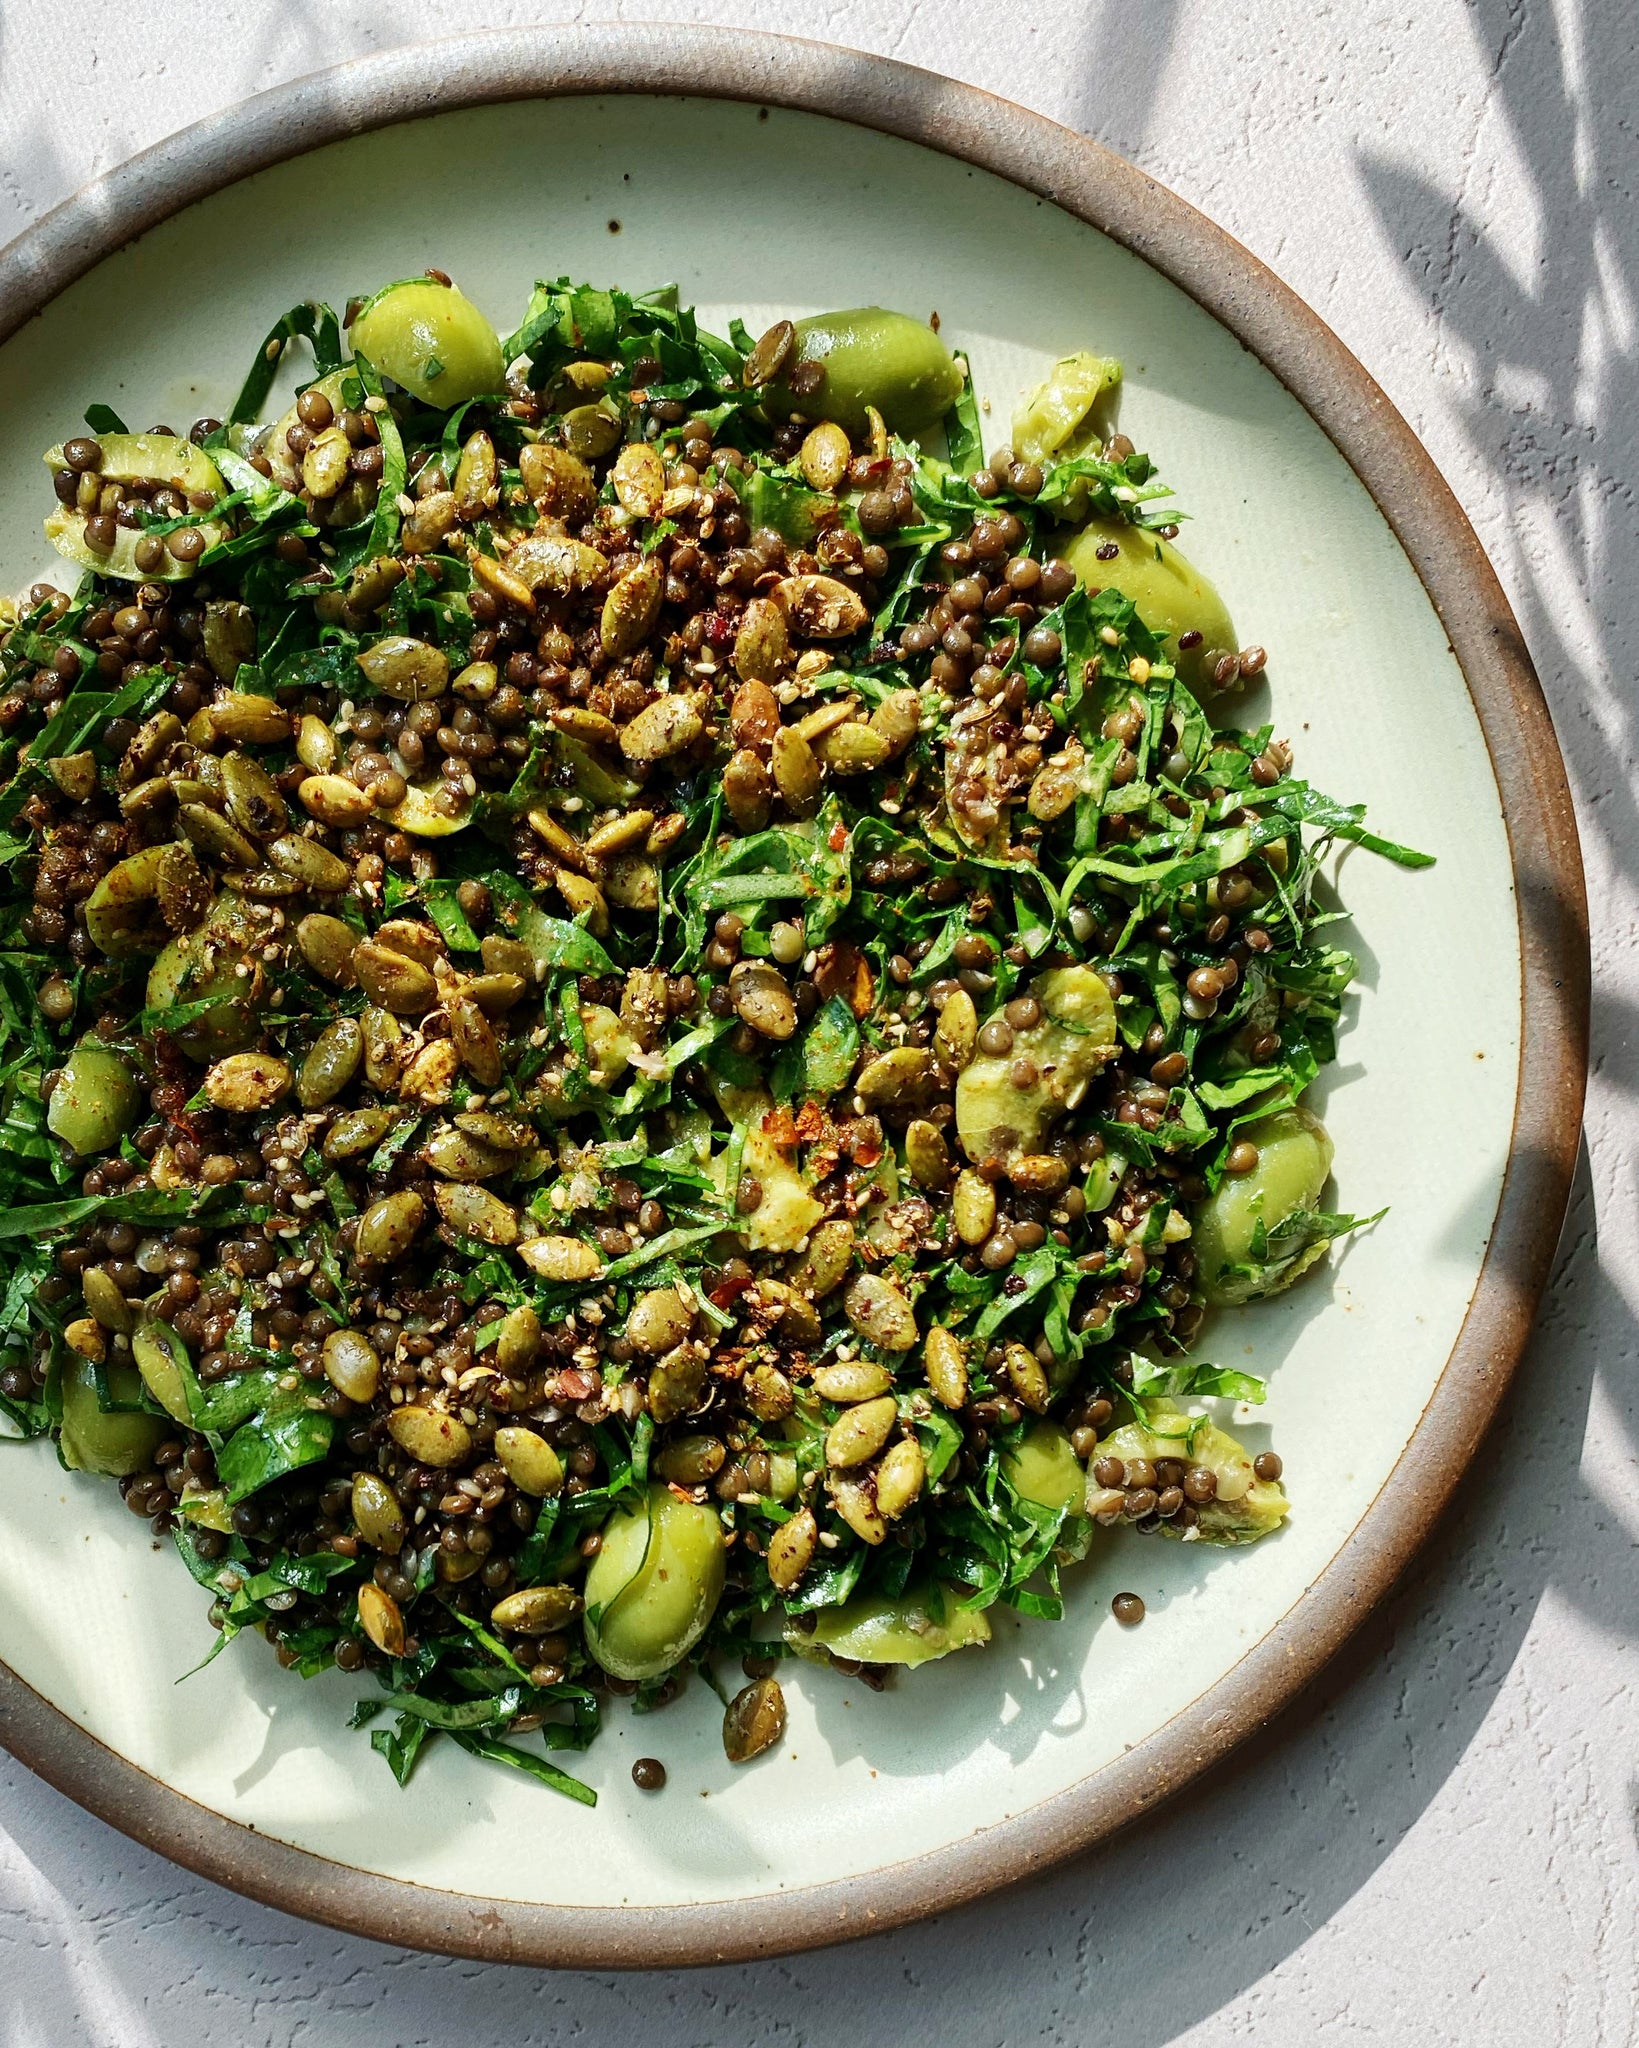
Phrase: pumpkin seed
(821, 607)
(506, 956)
(311, 864)
(768, 1393)
(254, 802)
(585, 899)
(475, 1040)
(905, 1078)
(762, 646)
(825, 455)
(973, 1207)
(560, 483)
(430, 1076)
(372, 583)
(825, 718)
(518, 1341)
(387, 1048)
(958, 1029)
(631, 608)
(768, 356)
(407, 669)
(429, 1435)
(477, 476)
(377, 1515)
(796, 772)
(393, 980)
(120, 914)
(333, 800)
(899, 1478)
(854, 1379)
(244, 718)
(658, 1320)
(430, 524)
(799, 1322)
(380, 1619)
(328, 945)
(880, 1313)
(791, 1549)
(536, 1610)
(1057, 783)
(388, 1228)
(859, 1433)
(677, 1384)
(762, 999)
(747, 790)
(691, 1460)
(898, 718)
(229, 642)
(414, 939)
(666, 727)
(1038, 1173)
(325, 465)
(504, 1133)
(106, 1301)
(753, 1721)
(334, 1058)
(632, 882)
(495, 994)
(853, 749)
(927, 1155)
(504, 581)
(639, 478)
(246, 1082)
(583, 724)
(529, 1461)
(74, 774)
(356, 1131)
(1027, 1376)
(945, 1364)
(454, 1155)
(160, 1356)
(823, 1267)
(561, 1258)
(477, 682)
(592, 430)
(855, 1502)
(475, 1212)
(183, 890)
(618, 834)
(351, 1365)
(554, 562)
(213, 835)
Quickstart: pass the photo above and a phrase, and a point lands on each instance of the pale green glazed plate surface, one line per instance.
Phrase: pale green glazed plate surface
(764, 214)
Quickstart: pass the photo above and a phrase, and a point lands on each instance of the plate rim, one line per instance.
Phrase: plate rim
(1090, 182)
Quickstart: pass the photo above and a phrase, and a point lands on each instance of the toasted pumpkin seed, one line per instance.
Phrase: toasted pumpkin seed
(958, 1029)
(332, 1061)
(823, 1267)
(558, 481)
(762, 645)
(632, 882)
(825, 455)
(246, 718)
(475, 1040)
(666, 727)
(74, 774)
(455, 1155)
(852, 749)
(430, 1076)
(475, 1212)
(880, 1313)
(753, 1721)
(327, 945)
(821, 607)
(561, 1258)
(677, 1383)
(899, 1478)
(106, 1301)
(229, 642)
(246, 1082)
(356, 1131)
(477, 476)
(631, 608)
(658, 1320)
(855, 1501)
(311, 864)
(769, 1393)
(333, 800)
(796, 772)
(387, 1048)
(747, 790)
(519, 1340)
(325, 465)
(377, 1515)
(393, 980)
(429, 1435)
(973, 1207)
(926, 1154)
(389, 1227)
(618, 834)
(853, 1379)
(945, 1364)
(639, 478)
(407, 669)
(907, 1077)
(381, 1620)
(536, 1610)
(214, 835)
(529, 1461)
(430, 524)
(691, 1460)
(1027, 1376)
(351, 1365)
(791, 1549)
(1038, 1173)
(254, 802)
(859, 1433)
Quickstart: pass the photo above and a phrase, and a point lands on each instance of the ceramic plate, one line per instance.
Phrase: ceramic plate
(766, 179)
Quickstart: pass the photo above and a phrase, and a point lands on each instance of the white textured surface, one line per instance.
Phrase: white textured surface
(1440, 1844)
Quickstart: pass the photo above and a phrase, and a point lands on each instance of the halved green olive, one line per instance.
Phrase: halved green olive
(114, 1441)
(996, 1116)
(1070, 411)
(1043, 1468)
(872, 358)
(95, 1100)
(1173, 597)
(654, 1584)
(923, 1623)
(153, 459)
(1243, 1507)
(1294, 1158)
(432, 339)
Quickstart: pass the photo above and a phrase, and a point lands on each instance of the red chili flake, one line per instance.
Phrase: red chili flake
(574, 1385)
(729, 1289)
(838, 838)
(780, 1126)
(719, 631)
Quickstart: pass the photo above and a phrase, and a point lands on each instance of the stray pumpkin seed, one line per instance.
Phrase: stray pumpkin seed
(377, 1515)
(327, 945)
(536, 1610)
(407, 669)
(825, 455)
(380, 1619)
(927, 1155)
(854, 1379)
(631, 608)
(973, 1207)
(518, 1341)
(666, 727)
(855, 1501)
(333, 800)
(753, 1721)
(958, 1029)
(747, 790)
(796, 772)
(639, 478)
(475, 1212)
(762, 999)
(334, 1058)
(880, 1313)
(107, 1302)
(821, 607)
(393, 980)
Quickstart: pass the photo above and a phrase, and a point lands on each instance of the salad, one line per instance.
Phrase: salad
(644, 1002)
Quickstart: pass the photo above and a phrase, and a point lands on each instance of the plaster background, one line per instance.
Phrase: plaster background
(1438, 1845)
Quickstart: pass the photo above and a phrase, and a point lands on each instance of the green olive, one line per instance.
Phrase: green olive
(654, 1584)
(113, 1441)
(1172, 597)
(163, 1361)
(204, 966)
(1073, 1038)
(431, 339)
(137, 458)
(923, 1623)
(872, 358)
(1243, 1507)
(1070, 412)
(1294, 1158)
(1043, 1468)
(95, 1100)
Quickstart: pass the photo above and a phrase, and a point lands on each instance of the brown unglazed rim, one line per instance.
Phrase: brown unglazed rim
(1087, 181)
